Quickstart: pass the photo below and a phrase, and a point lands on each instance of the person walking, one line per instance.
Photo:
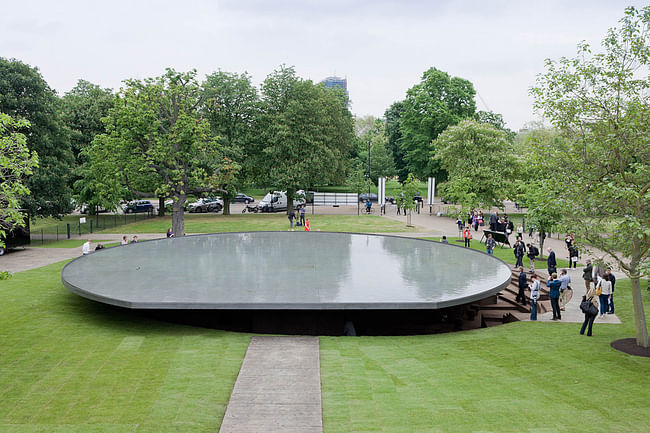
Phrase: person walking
(551, 263)
(565, 280)
(605, 287)
(553, 285)
(589, 318)
(587, 275)
(467, 235)
(520, 252)
(612, 279)
(533, 252)
(534, 296)
(290, 216)
(523, 285)
(490, 243)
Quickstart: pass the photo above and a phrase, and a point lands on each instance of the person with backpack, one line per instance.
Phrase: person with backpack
(533, 252)
(589, 318)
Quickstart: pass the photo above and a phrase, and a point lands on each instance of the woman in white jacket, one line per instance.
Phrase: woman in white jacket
(605, 291)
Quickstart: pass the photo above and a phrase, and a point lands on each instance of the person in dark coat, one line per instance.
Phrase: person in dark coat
(573, 255)
(494, 219)
(554, 293)
(589, 318)
(612, 279)
(523, 285)
(551, 263)
(519, 252)
(587, 274)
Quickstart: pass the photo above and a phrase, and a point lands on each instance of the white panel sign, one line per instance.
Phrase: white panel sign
(431, 191)
(82, 220)
(381, 187)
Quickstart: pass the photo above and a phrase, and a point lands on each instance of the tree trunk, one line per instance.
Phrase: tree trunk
(226, 205)
(290, 194)
(639, 313)
(408, 218)
(178, 217)
(161, 206)
(542, 236)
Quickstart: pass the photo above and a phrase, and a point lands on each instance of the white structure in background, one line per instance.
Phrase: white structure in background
(381, 191)
(431, 192)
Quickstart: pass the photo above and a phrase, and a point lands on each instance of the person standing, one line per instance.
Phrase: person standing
(532, 253)
(534, 296)
(605, 290)
(554, 293)
(302, 214)
(551, 263)
(573, 255)
(612, 279)
(494, 218)
(523, 285)
(307, 226)
(290, 216)
(589, 318)
(520, 231)
(565, 280)
(467, 235)
(490, 243)
(587, 275)
(520, 252)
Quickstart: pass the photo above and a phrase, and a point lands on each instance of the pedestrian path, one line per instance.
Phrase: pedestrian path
(278, 388)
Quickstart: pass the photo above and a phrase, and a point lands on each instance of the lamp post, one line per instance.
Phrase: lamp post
(368, 169)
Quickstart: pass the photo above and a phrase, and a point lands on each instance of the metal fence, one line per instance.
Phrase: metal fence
(335, 198)
(68, 229)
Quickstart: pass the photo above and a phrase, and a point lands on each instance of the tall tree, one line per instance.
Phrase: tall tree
(304, 131)
(480, 162)
(230, 105)
(599, 102)
(393, 116)
(155, 128)
(432, 105)
(24, 94)
(372, 138)
(16, 162)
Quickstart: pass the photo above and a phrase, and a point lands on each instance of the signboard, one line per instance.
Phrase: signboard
(82, 220)
(381, 189)
(431, 191)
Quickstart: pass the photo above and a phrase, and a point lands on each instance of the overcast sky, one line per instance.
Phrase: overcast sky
(382, 46)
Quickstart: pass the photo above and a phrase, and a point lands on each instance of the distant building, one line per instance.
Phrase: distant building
(332, 82)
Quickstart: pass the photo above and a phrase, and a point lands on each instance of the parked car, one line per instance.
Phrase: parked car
(87, 208)
(418, 197)
(243, 198)
(364, 197)
(138, 206)
(208, 204)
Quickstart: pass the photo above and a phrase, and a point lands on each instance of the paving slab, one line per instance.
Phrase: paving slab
(278, 388)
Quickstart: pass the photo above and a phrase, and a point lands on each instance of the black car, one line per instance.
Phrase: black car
(364, 197)
(243, 198)
(138, 206)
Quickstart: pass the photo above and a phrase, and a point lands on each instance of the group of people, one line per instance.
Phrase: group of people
(299, 216)
(86, 249)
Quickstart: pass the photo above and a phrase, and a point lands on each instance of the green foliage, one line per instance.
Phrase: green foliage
(432, 105)
(155, 136)
(393, 116)
(24, 94)
(373, 135)
(480, 163)
(496, 120)
(16, 162)
(599, 103)
(5, 275)
(305, 133)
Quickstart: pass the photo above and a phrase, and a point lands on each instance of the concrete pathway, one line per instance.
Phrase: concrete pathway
(278, 388)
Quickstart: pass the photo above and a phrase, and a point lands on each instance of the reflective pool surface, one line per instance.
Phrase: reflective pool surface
(286, 270)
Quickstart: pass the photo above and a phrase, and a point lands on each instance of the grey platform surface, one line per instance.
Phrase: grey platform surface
(286, 270)
(278, 388)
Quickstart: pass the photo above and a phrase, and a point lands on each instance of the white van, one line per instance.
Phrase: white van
(276, 201)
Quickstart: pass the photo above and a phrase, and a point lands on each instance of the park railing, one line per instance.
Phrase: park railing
(72, 227)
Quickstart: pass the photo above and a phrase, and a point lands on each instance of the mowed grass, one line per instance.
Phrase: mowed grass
(68, 364)
(520, 377)
(67, 243)
(211, 223)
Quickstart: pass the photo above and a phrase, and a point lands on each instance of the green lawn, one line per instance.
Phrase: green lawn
(213, 223)
(520, 377)
(66, 243)
(506, 254)
(72, 365)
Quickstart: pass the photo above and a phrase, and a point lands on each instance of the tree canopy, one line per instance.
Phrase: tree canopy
(432, 105)
(480, 164)
(16, 162)
(24, 94)
(599, 103)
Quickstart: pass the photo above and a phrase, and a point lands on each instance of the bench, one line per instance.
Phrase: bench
(499, 237)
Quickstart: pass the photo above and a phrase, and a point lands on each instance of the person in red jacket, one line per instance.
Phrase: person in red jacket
(467, 235)
(307, 228)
